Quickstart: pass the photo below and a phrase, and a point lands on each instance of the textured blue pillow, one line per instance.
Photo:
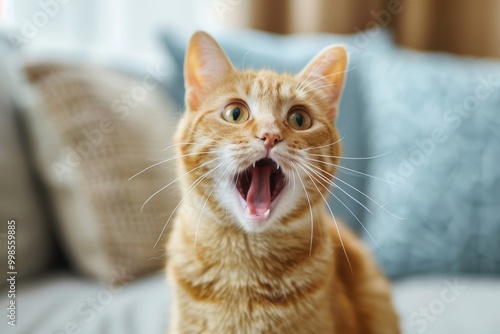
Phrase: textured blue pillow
(257, 50)
(438, 118)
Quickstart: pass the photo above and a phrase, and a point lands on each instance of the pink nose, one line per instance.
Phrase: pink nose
(270, 139)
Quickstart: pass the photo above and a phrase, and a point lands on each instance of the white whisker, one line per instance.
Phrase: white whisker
(178, 144)
(206, 201)
(350, 158)
(167, 160)
(362, 193)
(202, 135)
(333, 216)
(305, 81)
(351, 170)
(211, 139)
(176, 179)
(310, 208)
(227, 195)
(335, 142)
(326, 76)
(195, 183)
(335, 185)
(244, 56)
(322, 86)
(338, 199)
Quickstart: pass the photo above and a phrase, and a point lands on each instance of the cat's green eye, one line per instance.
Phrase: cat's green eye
(236, 113)
(299, 119)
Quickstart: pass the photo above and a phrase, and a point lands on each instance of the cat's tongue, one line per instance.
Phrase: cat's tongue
(259, 193)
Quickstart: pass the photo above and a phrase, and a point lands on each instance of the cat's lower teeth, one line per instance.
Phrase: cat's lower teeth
(266, 214)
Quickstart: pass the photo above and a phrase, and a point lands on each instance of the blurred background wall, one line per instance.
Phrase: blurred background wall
(469, 27)
(460, 26)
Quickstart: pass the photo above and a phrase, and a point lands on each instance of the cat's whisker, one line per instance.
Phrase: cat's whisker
(338, 199)
(194, 184)
(351, 170)
(333, 216)
(322, 86)
(371, 199)
(316, 147)
(232, 187)
(253, 62)
(175, 180)
(167, 160)
(326, 76)
(206, 201)
(308, 83)
(305, 81)
(228, 140)
(191, 188)
(180, 112)
(178, 144)
(310, 208)
(244, 56)
(359, 191)
(202, 135)
(350, 158)
(233, 190)
(336, 186)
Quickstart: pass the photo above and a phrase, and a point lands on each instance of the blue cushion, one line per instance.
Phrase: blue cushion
(257, 50)
(437, 117)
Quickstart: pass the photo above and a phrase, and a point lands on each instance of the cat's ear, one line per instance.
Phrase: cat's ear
(205, 67)
(327, 73)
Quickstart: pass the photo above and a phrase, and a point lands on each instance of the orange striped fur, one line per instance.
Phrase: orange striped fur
(288, 273)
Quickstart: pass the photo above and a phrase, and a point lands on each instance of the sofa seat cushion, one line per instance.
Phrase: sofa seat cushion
(445, 305)
(64, 303)
(432, 305)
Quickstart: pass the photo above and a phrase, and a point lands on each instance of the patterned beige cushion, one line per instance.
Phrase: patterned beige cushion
(19, 198)
(93, 129)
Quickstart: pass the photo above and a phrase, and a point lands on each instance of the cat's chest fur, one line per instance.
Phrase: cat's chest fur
(231, 282)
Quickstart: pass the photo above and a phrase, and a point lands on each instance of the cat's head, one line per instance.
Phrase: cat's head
(259, 147)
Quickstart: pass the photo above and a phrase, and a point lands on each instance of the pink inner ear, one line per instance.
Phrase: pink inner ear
(326, 72)
(192, 100)
(205, 67)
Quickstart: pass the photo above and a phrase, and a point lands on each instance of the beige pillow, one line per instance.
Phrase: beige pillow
(19, 199)
(93, 129)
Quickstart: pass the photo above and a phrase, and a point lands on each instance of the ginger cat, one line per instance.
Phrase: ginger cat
(252, 249)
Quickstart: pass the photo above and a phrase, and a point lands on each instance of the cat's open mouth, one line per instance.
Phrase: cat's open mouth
(259, 186)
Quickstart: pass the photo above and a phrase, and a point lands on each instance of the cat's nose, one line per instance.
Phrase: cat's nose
(270, 139)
